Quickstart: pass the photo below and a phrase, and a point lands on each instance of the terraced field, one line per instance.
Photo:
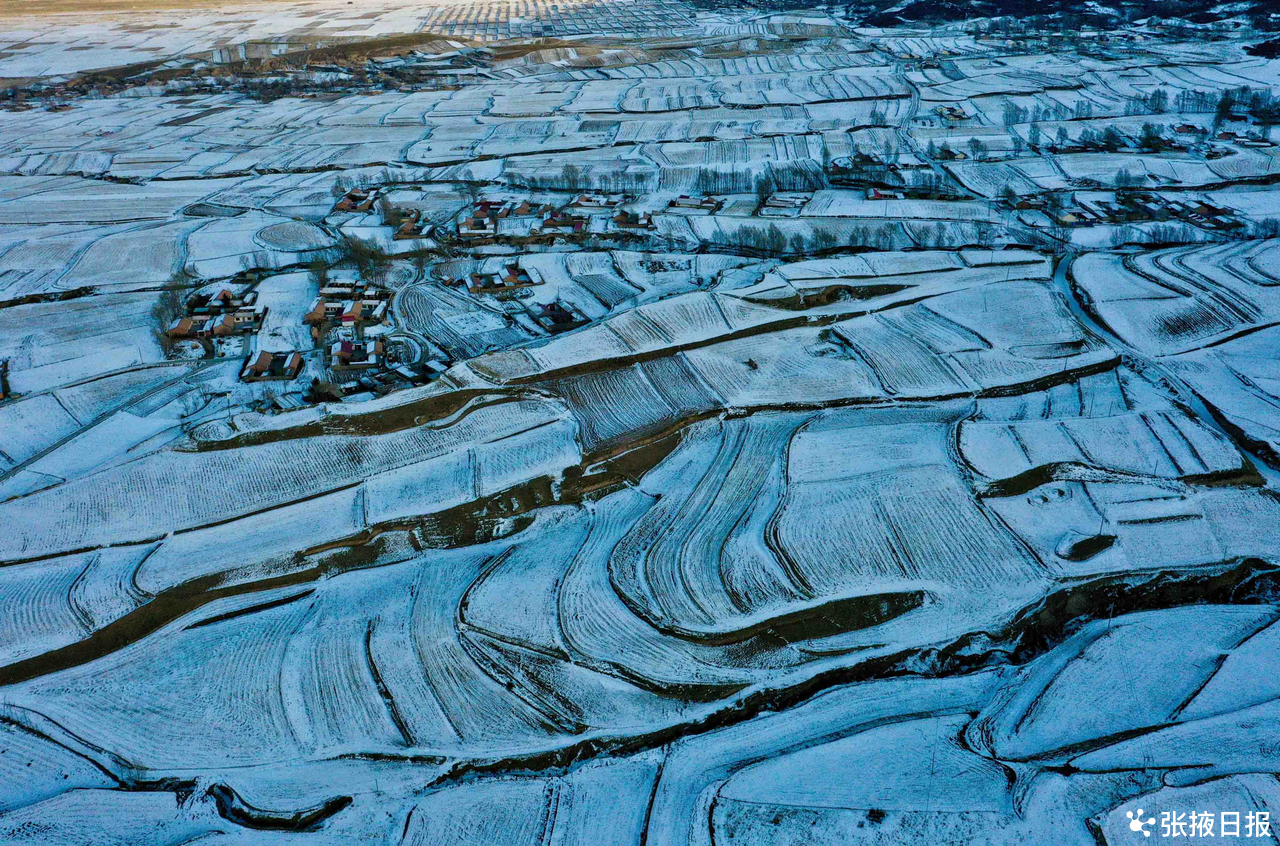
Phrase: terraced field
(697, 426)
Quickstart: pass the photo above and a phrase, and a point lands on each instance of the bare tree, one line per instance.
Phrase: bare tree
(319, 272)
(764, 189)
(391, 215)
(421, 257)
(168, 308)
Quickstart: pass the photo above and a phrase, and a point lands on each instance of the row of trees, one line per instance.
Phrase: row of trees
(771, 240)
(1015, 114)
(365, 181)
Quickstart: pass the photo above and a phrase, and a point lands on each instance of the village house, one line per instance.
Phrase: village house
(707, 203)
(200, 305)
(183, 327)
(473, 226)
(322, 311)
(527, 209)
(357, 355)
(272, 366)
(877, 194)
(248, 320)
(357, 200)
(598, 202)
(558, 221)
(217, 327)
(630, 220)
(784, 205)
(556, 317)
(412, 225)
(351, 306)
(242, 322)
(482, 221)
(857, 161)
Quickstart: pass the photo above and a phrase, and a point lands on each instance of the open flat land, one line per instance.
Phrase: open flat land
(636, 424)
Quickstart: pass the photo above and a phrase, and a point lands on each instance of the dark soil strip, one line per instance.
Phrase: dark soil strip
(383, 690)
(233, 808)
(252, 609)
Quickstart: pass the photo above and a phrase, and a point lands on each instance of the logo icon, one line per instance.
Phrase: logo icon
(1137, 823)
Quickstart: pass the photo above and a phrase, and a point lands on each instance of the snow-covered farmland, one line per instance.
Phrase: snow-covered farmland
(429, 425)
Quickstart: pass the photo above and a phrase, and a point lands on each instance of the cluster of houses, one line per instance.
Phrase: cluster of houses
(1250, 138)
(509, 281)
(219, 315)
(1133, 207)
(1140, 206)
(951, 112)
(350, 306)
(482, 220)
(501, 283)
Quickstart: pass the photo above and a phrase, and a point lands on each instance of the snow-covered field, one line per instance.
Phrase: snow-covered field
(772, 430)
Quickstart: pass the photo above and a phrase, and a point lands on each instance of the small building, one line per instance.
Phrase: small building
(482, 220)
(357, 200)
(477, 227)
(877, 194)
(527, 209)
(705, 203)
(248, 320)
(272, 366)
(217, 327)
(357, 355)
(554, 221)
(287, 402)
(629, 220)
(201, 305)
(352, 306)
(492, 209)
(556, 317)
(322, 311)
(784, 205)
(598, 201)
(412, 226)
(1208, 209)
(787, 201)
(183, 327)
